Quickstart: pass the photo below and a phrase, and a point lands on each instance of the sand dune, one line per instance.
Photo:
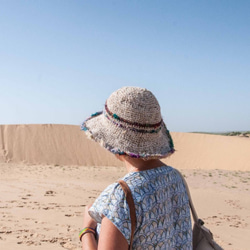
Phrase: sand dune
(51, 144)
(67, 145)
(48, 173)
(205, 151)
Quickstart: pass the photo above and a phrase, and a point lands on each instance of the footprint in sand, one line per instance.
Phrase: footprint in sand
(234, 204)
(6, 232)
(68, 245)
(29, 243)
(233, 220)
(50, 193)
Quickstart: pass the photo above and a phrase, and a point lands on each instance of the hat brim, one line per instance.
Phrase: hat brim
(119, 140)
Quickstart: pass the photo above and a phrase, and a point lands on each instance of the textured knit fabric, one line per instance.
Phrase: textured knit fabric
(131, 124)
(162, 209)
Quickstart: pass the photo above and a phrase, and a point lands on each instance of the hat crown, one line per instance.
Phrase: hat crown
(135, 104)
(131, 124)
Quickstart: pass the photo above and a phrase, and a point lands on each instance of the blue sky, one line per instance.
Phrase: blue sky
(60, 60)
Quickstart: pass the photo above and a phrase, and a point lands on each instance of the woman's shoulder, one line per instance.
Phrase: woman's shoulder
(140, 180)
(112, 192)
(106, 202)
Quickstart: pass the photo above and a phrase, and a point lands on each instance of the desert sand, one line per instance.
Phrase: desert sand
(48, 173)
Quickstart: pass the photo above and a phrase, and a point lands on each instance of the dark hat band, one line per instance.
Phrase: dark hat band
(136, 124)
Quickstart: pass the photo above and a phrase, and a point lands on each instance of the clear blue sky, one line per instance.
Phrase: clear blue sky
(60, 60)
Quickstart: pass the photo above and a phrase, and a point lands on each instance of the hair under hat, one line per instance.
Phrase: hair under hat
(131, 124)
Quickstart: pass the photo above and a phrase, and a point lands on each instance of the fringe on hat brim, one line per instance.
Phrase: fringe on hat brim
(116, 150)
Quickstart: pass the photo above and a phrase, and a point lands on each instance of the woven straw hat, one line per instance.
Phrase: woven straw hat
(131, 124)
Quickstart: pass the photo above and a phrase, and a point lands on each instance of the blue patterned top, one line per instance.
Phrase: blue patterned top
(162, 209)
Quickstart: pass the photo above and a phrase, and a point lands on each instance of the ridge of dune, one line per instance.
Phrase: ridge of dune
(206, 151)
(51, 144)
(66, 145)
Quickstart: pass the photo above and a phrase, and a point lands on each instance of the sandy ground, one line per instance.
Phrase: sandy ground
(41, 206)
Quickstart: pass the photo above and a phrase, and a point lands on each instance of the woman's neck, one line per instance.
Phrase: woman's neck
(136, 165)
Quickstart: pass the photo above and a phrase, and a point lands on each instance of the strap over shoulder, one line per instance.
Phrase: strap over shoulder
(131, 204)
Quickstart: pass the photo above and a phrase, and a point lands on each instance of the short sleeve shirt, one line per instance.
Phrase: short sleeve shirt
(162, 209)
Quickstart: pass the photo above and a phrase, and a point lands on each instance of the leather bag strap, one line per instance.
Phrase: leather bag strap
(131, 204)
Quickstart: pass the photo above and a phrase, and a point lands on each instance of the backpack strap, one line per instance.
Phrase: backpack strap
(131, 204)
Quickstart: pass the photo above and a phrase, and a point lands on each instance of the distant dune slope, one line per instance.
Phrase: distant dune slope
(51, 144)
(67, 145)
(206, 151)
